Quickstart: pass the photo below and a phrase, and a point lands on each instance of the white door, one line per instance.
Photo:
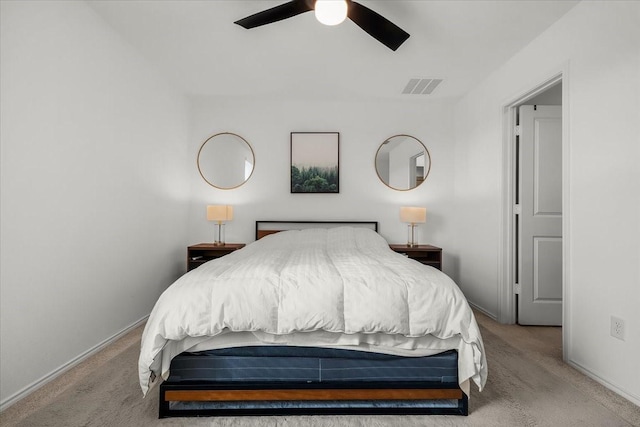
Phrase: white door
(540, 219)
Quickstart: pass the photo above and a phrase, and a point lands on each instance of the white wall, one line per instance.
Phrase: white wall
(94, 187)
(598, 43)
(266, 124)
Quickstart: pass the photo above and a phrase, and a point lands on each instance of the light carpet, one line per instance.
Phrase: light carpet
(528, 385)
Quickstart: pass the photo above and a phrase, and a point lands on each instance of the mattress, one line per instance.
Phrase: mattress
(352, 378)
(278, 364)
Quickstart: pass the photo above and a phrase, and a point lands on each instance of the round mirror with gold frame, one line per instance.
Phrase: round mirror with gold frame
(226, 160)
(403, 162)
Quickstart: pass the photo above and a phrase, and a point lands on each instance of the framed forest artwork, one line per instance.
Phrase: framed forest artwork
(315, 162)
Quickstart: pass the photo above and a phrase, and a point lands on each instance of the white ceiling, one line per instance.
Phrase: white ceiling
(197, 45)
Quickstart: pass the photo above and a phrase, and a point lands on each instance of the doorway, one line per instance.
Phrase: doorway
(538, 213)
(553, 91)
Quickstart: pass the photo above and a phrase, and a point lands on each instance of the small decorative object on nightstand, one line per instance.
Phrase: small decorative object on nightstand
(203, 252)
(426, 254)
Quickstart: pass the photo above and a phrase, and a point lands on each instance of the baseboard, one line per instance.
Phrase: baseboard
(483, 311)
(67, 366)
(627, 395)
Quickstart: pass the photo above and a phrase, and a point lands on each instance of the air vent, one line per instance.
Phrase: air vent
(421, 86)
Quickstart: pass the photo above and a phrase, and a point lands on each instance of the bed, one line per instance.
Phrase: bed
(320, 319)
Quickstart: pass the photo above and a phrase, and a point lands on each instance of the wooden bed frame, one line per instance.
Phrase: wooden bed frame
(264, 228)
(382, 397)
(331, 398)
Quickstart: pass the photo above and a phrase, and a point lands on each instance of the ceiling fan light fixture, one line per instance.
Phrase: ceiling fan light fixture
(331, 12)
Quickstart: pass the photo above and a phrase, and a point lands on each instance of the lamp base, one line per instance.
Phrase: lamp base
(412, 241)
(219, 237)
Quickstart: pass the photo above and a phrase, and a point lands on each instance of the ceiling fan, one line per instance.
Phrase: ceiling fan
(332, 12)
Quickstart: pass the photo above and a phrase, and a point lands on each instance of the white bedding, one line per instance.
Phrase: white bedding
(340, 287)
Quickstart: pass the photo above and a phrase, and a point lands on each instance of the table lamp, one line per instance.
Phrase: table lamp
(413, 216)
(220, 214)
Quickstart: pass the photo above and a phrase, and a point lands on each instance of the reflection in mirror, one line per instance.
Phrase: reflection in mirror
(403, 162)
(226, 161)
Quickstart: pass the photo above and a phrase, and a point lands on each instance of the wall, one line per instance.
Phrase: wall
(363, 126)
(598, 45)
(94, 188)
(551, 96)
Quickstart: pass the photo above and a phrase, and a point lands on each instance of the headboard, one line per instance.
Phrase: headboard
(264, 228)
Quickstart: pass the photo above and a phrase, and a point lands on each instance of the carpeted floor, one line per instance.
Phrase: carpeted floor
(528, 385)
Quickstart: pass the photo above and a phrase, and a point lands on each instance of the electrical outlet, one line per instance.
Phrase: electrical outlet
(617, 328)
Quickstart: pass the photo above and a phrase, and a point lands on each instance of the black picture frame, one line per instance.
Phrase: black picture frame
(315, 162)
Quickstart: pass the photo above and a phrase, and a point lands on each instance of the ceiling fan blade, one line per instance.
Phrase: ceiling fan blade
(377, 26)
(277, 13)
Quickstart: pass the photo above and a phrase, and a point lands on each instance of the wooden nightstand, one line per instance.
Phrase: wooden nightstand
(203, 252)
(426, 254)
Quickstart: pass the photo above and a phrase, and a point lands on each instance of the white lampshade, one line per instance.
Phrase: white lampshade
(331, 12)
(413, 215)
(219, 212)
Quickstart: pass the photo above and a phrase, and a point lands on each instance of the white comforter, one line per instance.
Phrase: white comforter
(340, 287)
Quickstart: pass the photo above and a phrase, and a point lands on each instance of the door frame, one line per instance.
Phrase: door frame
(507, 246)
